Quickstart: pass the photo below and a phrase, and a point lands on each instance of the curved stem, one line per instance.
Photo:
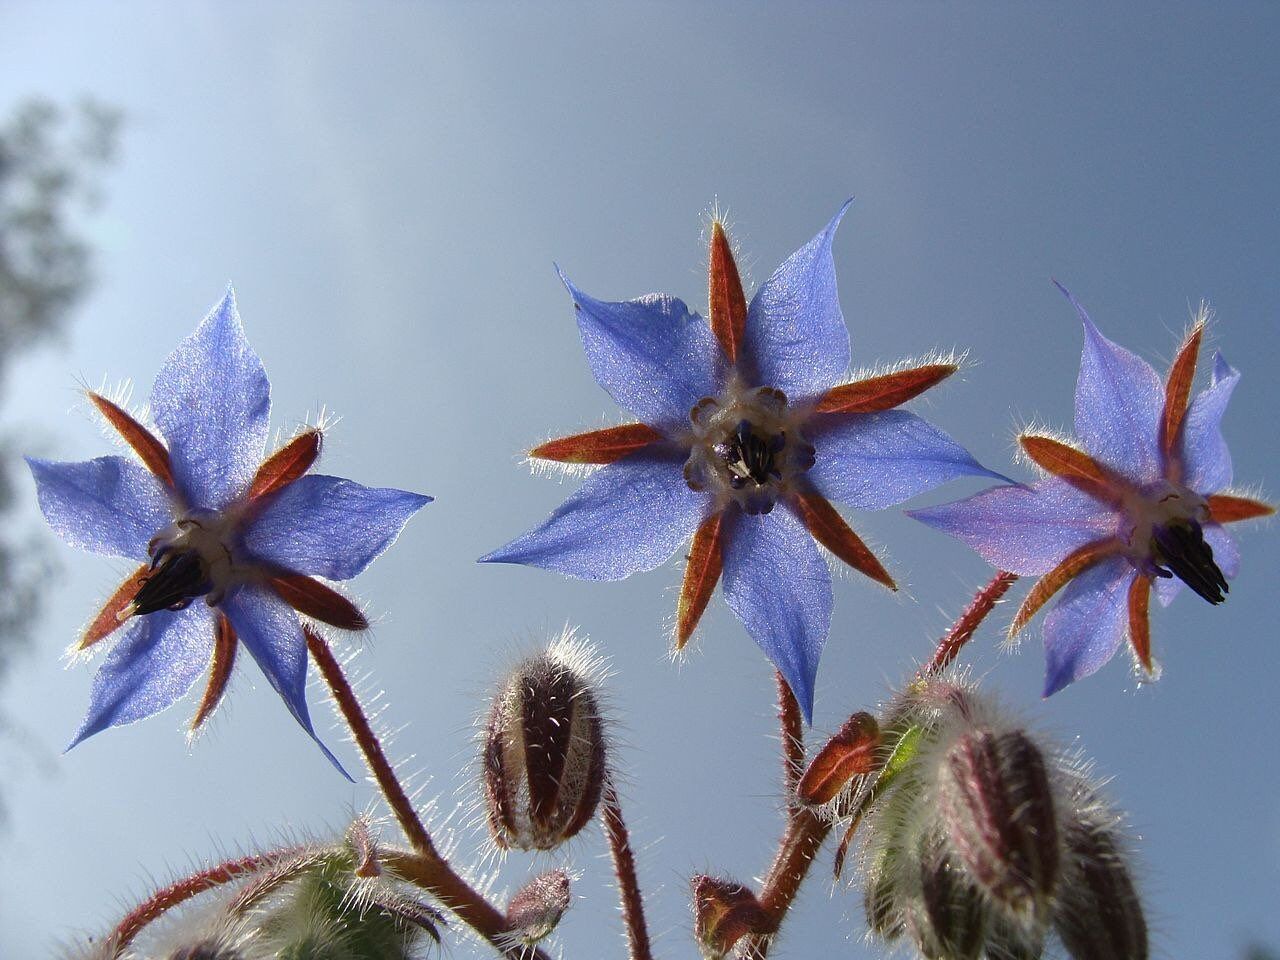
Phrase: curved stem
(800, 844)
(370, 746)
(962, 630)
(183, 890)
(426, 867)
(792, 724)
(624, 869)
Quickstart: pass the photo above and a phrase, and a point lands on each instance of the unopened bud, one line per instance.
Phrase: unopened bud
(544, 754)
(723, 913)
(953, 907)
(998, 808)
(1099, 915)
(206, 950)
(537, 907)
(884, 912)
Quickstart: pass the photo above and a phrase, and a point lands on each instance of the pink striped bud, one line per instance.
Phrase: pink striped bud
(544, 753)
(997, 805)
(723, 913)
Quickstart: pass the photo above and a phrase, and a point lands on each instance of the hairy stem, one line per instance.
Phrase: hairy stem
(624, 869)
(183, 890)
(799, 846)
(426, 867)
(792, 724)
(962, 630)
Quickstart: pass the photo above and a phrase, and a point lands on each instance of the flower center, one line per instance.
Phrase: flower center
(1167, 538)
(189, 559)
(747, 447)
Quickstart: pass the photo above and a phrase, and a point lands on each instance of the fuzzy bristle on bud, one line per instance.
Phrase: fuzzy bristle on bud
(981, 839)
(999, 812)
(544, 754)
(1099, 915)
(953, 921)
(212, 949)
(536, 908)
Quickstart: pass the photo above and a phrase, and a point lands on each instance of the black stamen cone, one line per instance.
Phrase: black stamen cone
(1181, 547)
(749, 457)
(175, 578)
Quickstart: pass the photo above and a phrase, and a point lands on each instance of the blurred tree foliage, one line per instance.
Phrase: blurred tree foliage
(51, 161)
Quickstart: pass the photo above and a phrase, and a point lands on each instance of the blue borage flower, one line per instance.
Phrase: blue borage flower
(747, 434)
(210, 519)
(1140, 503)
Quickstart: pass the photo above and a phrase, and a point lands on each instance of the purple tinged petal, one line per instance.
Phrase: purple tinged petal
(654, 357)
(270, 631)
(110, 505)
(1119, 403)
(777, 583)
(1087, 624)
(872, 461)
(1206, 459)
(150, 668)
(212, 401)
(626, 517)
(1024, 530)
(796, 338)
(329, 527)
(1225, 554)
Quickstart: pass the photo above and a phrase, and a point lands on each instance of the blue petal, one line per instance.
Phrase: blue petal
(874, 460)
(151, 667)
(270, 631)
(1225, 554)
(626, 517)
(110, 505)
(655, 357)
(1087, 625)
(211, 400)
(796, 338)
(1025, 530)
(330, 527)
(1206, 459)
(1119, 402)
(777, 583)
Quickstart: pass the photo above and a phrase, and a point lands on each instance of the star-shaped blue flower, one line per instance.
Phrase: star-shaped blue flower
(230, 545)
(1140, 503)
(747, 433)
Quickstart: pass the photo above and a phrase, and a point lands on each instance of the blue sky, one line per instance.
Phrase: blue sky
(388, 187)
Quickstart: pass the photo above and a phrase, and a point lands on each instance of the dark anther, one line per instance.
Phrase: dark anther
(1181, 548)
(750, 457)
(176, 577)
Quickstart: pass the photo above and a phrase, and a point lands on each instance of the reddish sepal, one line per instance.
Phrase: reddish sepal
(314, 599)
(850, 753)
(598, 446)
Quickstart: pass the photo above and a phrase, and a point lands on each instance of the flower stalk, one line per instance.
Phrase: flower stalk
(425, 867)
(624, 868)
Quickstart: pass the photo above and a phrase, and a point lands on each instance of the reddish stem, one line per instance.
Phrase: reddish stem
(624, 868)
(425, 867)
(800, 844)
(183, 890)
(806, 831)
(369, 745)
(962, 630)
(792, 736)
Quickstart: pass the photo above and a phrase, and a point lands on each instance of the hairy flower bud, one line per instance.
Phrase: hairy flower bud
(1099, 915)
(206, 950)
(537, 907)
(977, 839)
(998, 807)
(952, 926)
(544, 752)
(724, 912)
